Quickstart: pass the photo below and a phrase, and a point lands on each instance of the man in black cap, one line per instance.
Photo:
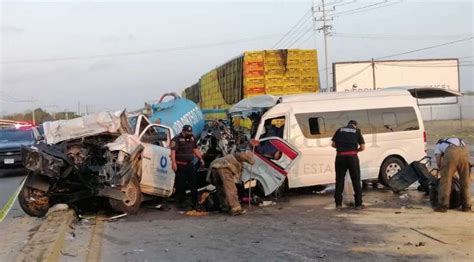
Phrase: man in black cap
(183, 150)
(348, 141)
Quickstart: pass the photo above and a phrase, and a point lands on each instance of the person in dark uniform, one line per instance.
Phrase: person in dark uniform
(348, 141)
(183, 150)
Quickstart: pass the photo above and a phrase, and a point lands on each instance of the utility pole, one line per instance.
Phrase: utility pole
(33, 119)
(326, 29)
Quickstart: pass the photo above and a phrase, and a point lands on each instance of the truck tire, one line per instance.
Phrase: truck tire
(390, 167)
(32, 201)
(132, 199)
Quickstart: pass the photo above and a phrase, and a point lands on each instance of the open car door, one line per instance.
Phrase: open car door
(157, 174)
(269, 172)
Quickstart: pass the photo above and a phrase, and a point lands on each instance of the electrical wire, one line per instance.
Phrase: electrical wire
(297, 33)
(135, 53)
(365, 10)
(397, 37)
(292, 28)
(427, 48)
(300, 36)
(360, 8)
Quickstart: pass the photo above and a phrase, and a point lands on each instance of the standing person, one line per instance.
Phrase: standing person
(452, 155)
(348, 141)
(183, 150)
(224, 172)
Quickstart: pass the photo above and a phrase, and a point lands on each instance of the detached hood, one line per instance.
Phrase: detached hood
(253, 104)
(93, 124)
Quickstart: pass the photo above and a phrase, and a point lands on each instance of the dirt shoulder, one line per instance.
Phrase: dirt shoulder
(447, 128)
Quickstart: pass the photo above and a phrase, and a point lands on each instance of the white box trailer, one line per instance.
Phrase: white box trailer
(380, 74)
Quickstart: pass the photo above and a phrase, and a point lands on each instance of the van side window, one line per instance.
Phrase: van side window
(316, 125)
(393, 119)
(274, 127)
(371, 121)
(389, 121)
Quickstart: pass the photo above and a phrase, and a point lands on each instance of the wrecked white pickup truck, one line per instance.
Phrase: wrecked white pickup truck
(107, 154)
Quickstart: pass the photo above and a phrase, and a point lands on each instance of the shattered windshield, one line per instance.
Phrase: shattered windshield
(132, 121)
(13, 135)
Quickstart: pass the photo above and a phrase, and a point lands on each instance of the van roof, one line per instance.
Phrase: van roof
(343, 95)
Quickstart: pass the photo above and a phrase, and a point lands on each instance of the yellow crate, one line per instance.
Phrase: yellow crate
(274, 65)
(292, 88)
(253, 56)
(254, 90)
(309, 72)
(254, 82)
(293, 72)
(312, 53)
(275, 80)
(275, 72)
(309, 88)
(309, 80)
(293, 80)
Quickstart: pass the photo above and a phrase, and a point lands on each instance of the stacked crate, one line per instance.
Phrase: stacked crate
(303, 65)
(274, 72)
(211, 96)
(254, 79)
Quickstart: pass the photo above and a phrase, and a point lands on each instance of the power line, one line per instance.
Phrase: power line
(360, 8)
(365, 10)
(142, 52)
(428, 47)
(301, 35)
(296, 33)
(398, 37)
(292, 28)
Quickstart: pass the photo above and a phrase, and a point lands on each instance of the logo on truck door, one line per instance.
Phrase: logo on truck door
(163, 164)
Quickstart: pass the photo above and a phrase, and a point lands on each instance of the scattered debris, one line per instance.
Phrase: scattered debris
(139, 250)
(196, 213)
(267, 203)
(412, 207)
(191, 236)
(420, 244)
(117, 217)
(408, 244)
(57, 207)
(398, 212)
(428, 236)
(67, 254)
(404, 197)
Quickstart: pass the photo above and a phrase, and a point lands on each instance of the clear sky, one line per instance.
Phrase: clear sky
(51, 52)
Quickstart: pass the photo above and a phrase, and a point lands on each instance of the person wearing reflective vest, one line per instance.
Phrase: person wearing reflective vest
(348, 142)
(183, 151)
(452, 155)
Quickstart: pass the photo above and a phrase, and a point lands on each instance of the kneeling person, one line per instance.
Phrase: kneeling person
(224, 173)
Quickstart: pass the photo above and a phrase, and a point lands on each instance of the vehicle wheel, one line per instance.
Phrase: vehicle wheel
(132, 199)
(389, 168)
(33, 201)
(281, 191)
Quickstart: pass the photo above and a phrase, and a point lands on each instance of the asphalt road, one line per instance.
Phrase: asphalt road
(9, 182)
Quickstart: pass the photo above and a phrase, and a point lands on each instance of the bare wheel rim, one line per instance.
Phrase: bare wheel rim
(130, 194)
(392, 169)
(36, 199)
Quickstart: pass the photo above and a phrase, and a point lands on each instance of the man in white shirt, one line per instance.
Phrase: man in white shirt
(452, 155)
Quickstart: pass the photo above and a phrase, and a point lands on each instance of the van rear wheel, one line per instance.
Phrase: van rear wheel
(389, 168)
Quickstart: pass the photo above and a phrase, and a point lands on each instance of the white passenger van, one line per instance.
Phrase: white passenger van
(389, 119)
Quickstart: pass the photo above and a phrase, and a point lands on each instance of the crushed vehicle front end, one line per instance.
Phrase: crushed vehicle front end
(74, 165)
